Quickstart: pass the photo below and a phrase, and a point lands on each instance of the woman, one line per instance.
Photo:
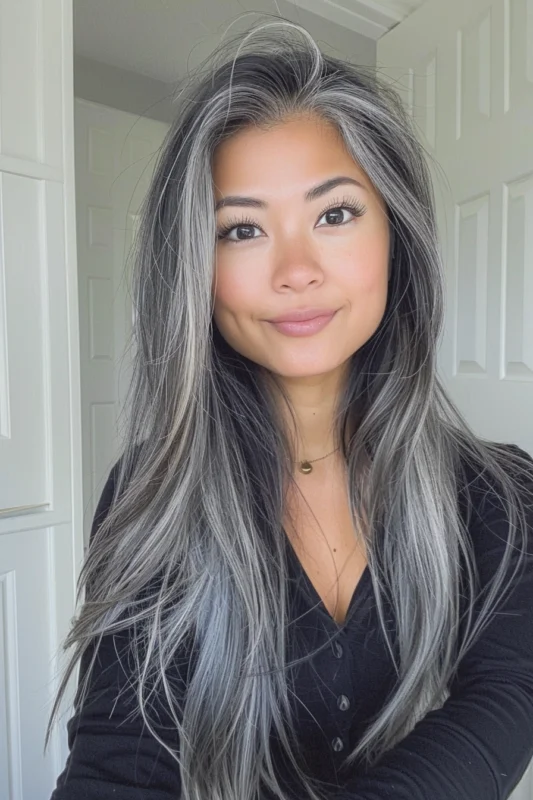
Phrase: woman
(307, 576)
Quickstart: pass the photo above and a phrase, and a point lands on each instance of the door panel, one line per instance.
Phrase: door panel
(465, 71)
(41, 537)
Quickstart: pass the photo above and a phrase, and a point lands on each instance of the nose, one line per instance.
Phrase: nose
(296, 265)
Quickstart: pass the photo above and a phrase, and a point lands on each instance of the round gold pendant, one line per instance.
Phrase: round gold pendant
(305, 467)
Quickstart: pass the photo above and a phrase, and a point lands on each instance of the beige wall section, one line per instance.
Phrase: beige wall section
(334, 39)
(122, 89)
(130, 91)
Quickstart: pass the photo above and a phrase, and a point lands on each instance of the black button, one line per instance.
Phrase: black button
(337, 744)
(343, 702)
(337, 649)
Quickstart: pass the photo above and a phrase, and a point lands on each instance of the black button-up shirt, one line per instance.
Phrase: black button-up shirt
(475, 747)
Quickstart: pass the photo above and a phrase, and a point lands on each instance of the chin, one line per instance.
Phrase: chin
(303, 369)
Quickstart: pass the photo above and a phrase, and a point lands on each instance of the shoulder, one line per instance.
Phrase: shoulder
(482, 488)
(109, 491)
(483, 504)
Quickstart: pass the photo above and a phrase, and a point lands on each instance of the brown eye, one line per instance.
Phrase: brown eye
(335, 216)
(248, 231)
(246, 225)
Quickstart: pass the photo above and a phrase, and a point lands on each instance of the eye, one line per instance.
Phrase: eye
(336, 208)
(235, 225)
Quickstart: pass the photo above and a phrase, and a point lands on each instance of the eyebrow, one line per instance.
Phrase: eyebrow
(311, 194)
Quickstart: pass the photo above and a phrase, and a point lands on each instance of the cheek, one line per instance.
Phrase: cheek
(235, 293)
(363, 268)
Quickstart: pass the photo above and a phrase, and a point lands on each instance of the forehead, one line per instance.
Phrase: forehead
(290, 153)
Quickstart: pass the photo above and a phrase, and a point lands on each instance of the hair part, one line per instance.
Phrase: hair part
(192, 553)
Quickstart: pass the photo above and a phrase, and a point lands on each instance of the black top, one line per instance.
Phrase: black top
(476, 746)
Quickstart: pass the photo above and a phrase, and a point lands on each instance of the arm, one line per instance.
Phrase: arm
(112, 755)
(479, 744)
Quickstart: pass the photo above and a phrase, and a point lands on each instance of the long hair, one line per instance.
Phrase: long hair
(191, 556)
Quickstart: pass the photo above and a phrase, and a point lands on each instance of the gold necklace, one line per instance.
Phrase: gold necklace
(305, 466)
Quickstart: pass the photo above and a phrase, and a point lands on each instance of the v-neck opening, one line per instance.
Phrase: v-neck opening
(361, 583)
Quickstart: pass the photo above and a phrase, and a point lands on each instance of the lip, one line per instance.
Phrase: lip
(305, 327)
(303, 314)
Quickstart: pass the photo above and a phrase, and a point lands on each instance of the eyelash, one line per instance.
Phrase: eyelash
(354, 207)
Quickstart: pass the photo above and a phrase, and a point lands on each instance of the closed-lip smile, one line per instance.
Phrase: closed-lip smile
(303, 314)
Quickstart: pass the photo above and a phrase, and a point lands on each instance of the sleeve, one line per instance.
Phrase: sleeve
(478, 745)
(112, 754)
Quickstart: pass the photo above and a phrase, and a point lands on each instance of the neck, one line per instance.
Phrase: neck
(313, 400)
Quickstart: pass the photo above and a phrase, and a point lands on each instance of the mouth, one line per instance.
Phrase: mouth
(306, 327)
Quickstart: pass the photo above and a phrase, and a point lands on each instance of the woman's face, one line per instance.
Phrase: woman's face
(287, 252)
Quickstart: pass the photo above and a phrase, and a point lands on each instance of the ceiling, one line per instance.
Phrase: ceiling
(162, 39)
(368, 17)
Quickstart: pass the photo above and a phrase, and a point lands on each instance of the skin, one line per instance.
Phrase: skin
(295, 255)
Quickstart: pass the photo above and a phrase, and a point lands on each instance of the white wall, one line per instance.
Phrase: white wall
(122, 89)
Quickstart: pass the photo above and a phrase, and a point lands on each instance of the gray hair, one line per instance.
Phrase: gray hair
(193, 551)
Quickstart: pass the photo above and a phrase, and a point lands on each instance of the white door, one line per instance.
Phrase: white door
(40, 439)
(465, 70)
(115, 157)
